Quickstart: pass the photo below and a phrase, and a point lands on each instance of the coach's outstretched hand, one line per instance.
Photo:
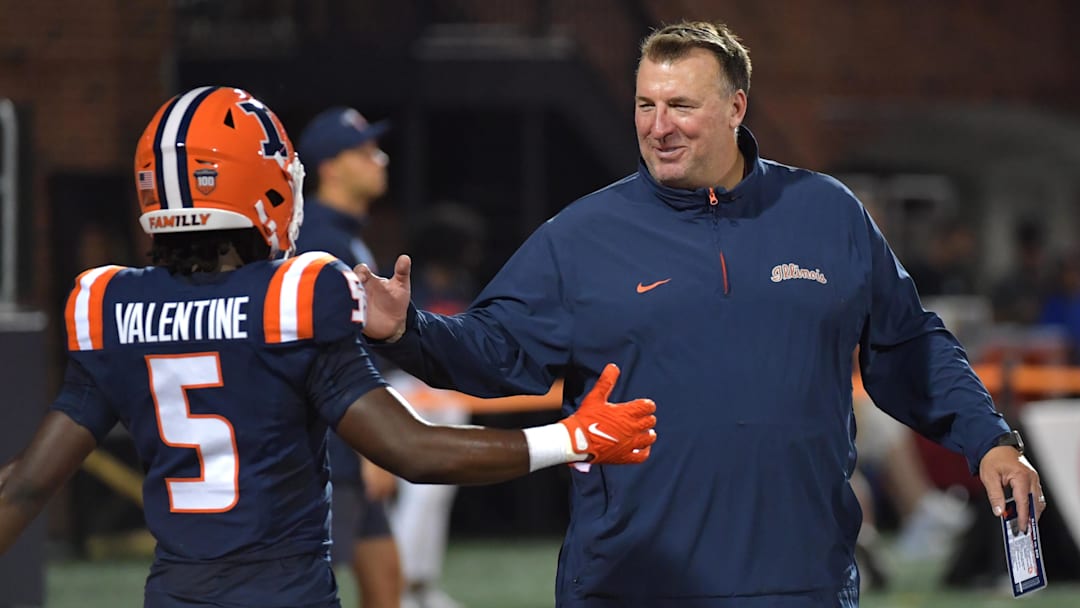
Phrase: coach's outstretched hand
(387, 300)
(612, 433)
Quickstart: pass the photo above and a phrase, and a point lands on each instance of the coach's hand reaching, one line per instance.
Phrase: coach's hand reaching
(611, 433)
(387, 300)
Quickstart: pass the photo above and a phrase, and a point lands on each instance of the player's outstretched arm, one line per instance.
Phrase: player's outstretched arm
(28, 482)
(382, 426)
(387, 300)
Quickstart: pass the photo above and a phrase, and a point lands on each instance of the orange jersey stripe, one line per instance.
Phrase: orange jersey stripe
(305, 297)
(83, 314)
(272, 307)
(97, 303)
(290, 297)
(69, 312)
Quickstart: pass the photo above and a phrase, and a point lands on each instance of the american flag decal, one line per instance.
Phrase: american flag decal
(146, 180)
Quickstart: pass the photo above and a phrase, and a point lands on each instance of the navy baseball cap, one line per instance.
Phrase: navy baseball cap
(334, 131)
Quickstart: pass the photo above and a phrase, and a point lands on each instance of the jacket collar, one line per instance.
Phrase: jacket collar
(741, 201)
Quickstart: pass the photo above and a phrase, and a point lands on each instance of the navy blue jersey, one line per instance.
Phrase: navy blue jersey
(327, 229)
(738, 312)
(227, 383)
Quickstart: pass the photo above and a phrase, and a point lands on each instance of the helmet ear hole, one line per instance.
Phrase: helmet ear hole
(229, 119)
(274, 197)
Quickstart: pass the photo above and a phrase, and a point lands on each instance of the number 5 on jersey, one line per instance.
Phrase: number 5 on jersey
(359, 314)
(216, 490)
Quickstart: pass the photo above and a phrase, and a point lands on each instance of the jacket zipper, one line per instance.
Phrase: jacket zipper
(723, 269)
(713, 202)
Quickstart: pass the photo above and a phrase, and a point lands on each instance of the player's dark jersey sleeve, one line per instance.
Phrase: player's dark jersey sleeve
(341, 373)
(342, 369)
(82, 401)
(338, 303)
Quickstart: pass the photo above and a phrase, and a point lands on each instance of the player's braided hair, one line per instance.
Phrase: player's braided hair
(186, 253)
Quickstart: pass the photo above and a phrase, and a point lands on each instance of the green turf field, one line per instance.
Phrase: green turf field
(515, 574)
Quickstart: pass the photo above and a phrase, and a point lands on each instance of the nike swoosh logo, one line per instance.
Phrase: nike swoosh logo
(651, 286)
(582, 443)
(594, 428)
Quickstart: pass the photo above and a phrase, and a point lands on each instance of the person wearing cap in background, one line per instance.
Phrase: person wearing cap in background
(347, 171)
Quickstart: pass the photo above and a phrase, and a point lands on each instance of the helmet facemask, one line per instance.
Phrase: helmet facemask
(296, 179)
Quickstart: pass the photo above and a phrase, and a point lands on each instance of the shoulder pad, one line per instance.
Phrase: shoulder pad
(312, 296)
(84, 314)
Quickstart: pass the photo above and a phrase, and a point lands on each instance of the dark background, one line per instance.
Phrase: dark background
(929, 110)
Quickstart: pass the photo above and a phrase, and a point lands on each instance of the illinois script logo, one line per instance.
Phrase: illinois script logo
(783, 272)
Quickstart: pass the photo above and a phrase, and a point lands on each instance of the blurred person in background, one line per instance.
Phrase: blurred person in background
(228, 366)
(347, 173)
(736, 289)
(947, 267)
(930, 520)
(448, 248)
(420, 513)
(1018, 297)
(1061, 308)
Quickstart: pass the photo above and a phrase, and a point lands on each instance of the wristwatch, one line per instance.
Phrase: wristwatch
(1012, 438)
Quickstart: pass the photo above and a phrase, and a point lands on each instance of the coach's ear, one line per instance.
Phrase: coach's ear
(737, 109)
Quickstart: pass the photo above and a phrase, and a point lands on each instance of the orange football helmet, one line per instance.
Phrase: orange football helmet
(216, 158)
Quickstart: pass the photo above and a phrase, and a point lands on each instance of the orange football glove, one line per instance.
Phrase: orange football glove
(611, 433)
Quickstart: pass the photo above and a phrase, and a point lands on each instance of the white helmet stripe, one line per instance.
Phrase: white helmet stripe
(168, 160)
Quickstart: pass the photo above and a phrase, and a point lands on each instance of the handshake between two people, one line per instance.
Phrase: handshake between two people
(599, 432)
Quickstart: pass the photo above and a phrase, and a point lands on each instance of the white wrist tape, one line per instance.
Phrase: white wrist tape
(550, 445)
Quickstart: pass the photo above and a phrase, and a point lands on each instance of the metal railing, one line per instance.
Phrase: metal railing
(9, 203)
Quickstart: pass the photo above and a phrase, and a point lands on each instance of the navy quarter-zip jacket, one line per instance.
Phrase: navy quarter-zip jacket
(738, 313)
